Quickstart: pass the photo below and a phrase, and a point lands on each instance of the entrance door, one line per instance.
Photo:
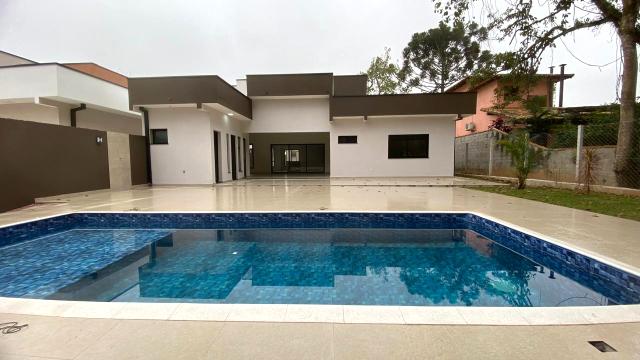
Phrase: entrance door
(234, 174)
(216, 155)
(297, 158)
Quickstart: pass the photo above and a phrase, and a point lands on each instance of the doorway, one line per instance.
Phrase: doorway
(244, 157)
(216, 156)
(234, 175)
(297, 159)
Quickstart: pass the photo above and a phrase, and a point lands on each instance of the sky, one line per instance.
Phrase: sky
(238, 37)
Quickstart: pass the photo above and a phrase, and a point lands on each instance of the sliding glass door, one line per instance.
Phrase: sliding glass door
(297, 158)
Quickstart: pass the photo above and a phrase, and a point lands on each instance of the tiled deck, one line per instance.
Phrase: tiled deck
(65, 337)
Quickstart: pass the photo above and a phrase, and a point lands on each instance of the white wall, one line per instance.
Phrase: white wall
(369, 156)
(87, 89)
(102, 120)
(30, 112)
(189, 156)
(28, 82)
(63, 84)
(290, 115)
(228, 125)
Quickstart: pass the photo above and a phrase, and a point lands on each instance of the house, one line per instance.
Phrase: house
(487, 98)
(203, 130)
(83, 95)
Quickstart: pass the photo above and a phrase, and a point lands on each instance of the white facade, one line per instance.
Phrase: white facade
(46, 93)
(369, 157)
(188, 158)
(290, 115)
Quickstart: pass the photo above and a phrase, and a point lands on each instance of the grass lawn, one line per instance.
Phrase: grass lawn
(627, 207)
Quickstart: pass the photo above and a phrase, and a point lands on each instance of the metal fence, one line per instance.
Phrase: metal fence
(571, 153)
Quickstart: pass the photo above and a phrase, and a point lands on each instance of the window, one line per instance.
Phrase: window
(348, 139)
(159, 137)
(413, 146)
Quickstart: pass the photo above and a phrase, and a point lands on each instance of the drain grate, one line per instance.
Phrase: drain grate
(602, 346)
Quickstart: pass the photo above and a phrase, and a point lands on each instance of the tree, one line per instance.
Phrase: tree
(536, 28)
(382, 75)
(524, 157)
(440, 57)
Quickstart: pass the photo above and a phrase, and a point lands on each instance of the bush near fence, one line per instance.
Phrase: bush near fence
(479, 153)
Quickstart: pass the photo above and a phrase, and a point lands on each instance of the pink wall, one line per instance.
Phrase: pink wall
(486, 99)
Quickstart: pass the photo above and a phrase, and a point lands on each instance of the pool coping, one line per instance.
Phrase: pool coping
(351, 314)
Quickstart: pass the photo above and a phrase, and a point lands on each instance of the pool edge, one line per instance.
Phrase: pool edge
(351, 314)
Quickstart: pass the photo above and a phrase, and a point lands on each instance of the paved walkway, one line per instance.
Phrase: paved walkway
(96, 339)
(69, 338)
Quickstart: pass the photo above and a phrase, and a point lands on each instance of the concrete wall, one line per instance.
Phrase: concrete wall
(369, 157)
(31, 112)
(290, 115)
(58, 114)
(106, 121)
(40, 160)
(559, 165)
(262, 147)
(188, 158)
(119, 160)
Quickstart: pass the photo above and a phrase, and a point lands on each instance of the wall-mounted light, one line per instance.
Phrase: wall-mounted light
(230, 114)
(99, 140)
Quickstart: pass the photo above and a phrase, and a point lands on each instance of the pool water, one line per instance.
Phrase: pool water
(295, 266)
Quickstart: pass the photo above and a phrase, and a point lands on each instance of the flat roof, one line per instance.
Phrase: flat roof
(190, 89)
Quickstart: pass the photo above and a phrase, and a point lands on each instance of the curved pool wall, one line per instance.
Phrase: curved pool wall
(595, 274)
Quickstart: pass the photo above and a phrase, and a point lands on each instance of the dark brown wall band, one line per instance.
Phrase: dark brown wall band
(350, 85)
(290, 84)
(405, 104)
(38, 160)
(187, 90)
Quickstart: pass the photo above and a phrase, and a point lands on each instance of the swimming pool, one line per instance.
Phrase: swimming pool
(372, 258)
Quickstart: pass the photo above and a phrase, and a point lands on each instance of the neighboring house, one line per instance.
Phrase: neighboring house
(487, 99)
(83, 95)
(205, 131)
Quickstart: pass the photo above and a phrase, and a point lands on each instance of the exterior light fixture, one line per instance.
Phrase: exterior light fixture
(230, 114)
(99, 140)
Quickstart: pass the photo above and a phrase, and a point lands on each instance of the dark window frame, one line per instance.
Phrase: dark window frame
(400, 143)
(346, 139)
(152, 134)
